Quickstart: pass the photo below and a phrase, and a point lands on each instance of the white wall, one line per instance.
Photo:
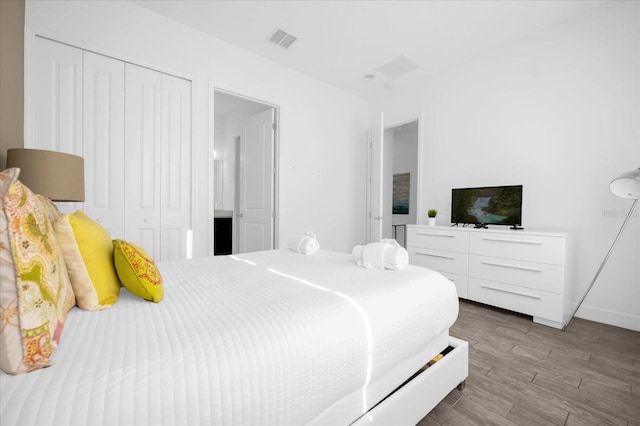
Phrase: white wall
(322, 129)
(559, 113)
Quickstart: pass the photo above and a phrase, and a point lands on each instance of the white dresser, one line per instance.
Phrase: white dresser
(527, 272)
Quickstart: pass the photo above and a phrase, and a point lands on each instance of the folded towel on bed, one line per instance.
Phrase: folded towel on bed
(305, 244)
(387, 254)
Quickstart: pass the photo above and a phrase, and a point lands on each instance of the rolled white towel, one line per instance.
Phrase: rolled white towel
(357, 254)
(383, 255)
(305, 244)
(395, 258)
(390, 241)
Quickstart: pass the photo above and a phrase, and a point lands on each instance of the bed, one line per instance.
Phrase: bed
(274, 337)
(262, 338)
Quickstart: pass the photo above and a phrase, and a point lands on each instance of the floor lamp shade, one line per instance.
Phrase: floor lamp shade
(56, 175)
(627, 185)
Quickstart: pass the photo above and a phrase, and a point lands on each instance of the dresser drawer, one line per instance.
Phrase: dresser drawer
(442, 261)
(461, 282)
(438, 238)
(538, 276)
(531, 248)
(527, 301)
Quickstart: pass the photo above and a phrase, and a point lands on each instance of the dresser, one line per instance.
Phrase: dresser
(526, 272)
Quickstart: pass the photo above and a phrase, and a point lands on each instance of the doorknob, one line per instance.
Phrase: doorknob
(240, 215)
(379, 218)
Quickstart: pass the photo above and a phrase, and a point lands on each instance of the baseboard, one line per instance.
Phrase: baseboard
(618, 319)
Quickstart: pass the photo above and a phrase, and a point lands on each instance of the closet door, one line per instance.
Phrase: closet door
(143, 160)
(103, 119)
(57, 97)
(175, 199)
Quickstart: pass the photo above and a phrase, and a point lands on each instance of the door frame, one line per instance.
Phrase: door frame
(386, 125)
(276, 160)
(419, 117)
(418, 163)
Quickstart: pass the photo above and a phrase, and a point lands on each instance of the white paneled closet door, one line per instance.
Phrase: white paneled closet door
(56, 123)
(176, 168)
(132, 125)
(143, 158)
(158, 162)
(103, 93)
(57, 97)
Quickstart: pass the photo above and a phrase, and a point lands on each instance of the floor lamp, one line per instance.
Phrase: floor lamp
(627, 185)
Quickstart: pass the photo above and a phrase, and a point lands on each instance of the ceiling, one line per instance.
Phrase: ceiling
(340, 42)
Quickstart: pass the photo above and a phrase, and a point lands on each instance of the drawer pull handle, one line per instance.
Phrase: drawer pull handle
(511, 292)
(502, 265)
(435, 255)
(436, 235)
(501, 240)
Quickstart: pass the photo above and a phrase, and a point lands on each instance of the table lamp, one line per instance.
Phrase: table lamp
(55, 175)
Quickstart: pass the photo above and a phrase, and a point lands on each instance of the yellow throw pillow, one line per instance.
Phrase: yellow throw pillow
(88, 253)
(137, 271)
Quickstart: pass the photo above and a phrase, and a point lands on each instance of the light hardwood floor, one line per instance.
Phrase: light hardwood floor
(522, 373)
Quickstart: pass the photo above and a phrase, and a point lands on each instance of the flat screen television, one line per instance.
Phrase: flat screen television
(489, 205)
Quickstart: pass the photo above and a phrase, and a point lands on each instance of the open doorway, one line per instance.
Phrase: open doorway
(245, 174)
(400, 187)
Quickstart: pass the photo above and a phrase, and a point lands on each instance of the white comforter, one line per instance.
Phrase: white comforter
(262, 338)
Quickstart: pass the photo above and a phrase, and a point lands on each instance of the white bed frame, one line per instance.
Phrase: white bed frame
(417, 397)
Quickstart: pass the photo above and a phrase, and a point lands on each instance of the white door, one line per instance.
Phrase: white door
(133, 127)
(56, 103)
(103, 117)
(256, 206)
(376, 181)
(158, 163)
(142, 160)
(57, 98)
(175, 199)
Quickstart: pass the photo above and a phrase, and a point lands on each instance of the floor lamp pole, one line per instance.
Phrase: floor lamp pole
(633, 206)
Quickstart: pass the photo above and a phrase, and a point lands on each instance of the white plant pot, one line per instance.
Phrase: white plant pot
(431, 221)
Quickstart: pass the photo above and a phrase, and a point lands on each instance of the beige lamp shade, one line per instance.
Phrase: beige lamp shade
(56, 175)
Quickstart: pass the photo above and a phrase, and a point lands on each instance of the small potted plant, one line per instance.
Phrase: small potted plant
(431, 217)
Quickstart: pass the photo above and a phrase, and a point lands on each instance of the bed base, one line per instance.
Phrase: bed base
(408, 404)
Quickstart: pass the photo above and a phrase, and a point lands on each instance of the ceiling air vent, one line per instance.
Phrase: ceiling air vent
(398, 67)
(282, 38)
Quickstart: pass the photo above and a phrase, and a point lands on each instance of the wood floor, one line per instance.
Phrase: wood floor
(522, 373)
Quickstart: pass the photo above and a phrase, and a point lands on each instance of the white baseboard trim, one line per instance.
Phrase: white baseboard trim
(618, 319)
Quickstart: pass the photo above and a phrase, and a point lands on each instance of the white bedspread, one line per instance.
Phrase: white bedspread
(262, 338)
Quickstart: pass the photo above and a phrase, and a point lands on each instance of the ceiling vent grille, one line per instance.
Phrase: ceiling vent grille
(398, 67)
(282, 38)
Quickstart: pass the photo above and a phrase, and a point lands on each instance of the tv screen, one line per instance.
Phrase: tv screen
(492, 205)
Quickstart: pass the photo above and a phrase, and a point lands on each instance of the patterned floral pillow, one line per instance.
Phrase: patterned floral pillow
(137, 271)
(36, 300)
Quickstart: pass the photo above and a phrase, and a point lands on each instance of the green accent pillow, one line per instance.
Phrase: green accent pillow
(137, 271)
